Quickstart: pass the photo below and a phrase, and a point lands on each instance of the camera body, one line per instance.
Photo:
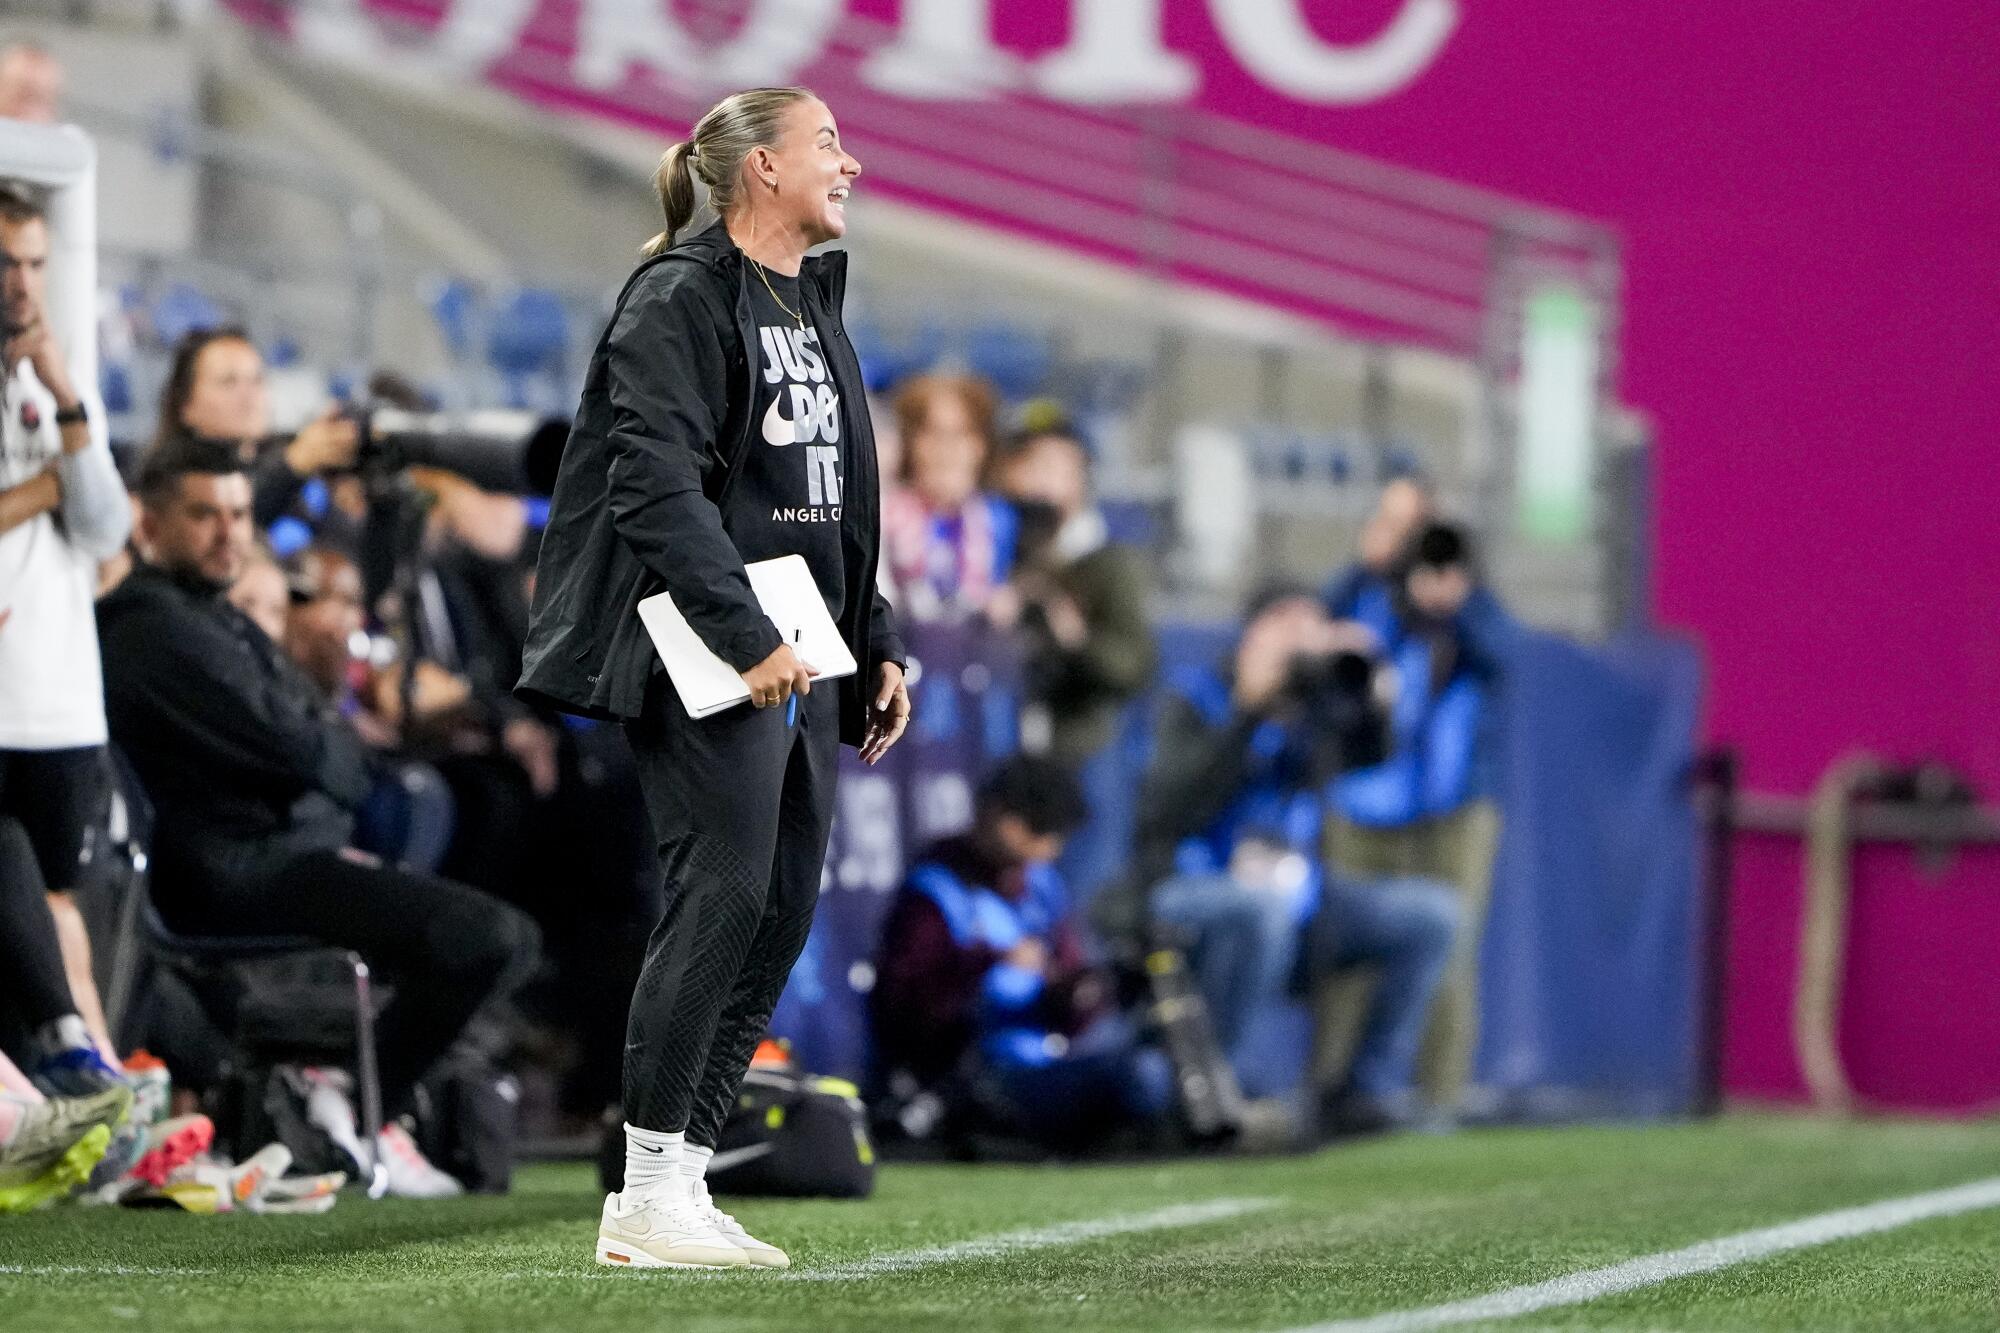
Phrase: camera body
(1335, 702)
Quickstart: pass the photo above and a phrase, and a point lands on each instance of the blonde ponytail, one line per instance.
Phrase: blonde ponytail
(673, 182)
(714, 155)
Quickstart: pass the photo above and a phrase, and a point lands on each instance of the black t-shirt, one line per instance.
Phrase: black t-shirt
(796, 467)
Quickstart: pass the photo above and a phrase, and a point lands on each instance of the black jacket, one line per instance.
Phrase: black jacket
(245, 762)
(642, 502)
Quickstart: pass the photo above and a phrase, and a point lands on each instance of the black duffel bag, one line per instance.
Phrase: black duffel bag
(792, 1135)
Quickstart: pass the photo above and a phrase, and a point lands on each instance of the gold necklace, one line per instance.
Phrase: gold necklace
(797, 315)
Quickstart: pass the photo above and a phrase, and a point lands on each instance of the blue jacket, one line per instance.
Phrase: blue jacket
(943, 981)
(1269, 796)
(1442, 740)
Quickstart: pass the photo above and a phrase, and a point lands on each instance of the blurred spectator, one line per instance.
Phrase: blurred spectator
(215, 391)
(1078, 598)
(984, 995)
(407, 815)
(1079, 602)
(262, 594)
(31, 83)
(1230, 821)
(62, 509)
(1361, 591)
(1428, 808)
(254, 779)
(947, 544)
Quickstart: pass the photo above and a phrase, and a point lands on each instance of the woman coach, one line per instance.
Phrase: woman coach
(722, 421)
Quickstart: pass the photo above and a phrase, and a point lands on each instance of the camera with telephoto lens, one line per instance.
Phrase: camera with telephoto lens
(1333, 699)
(496, 449)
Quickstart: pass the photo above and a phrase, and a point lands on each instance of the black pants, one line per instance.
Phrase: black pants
(33, 987)
(741, 803)
(446, 949)
(60, 797)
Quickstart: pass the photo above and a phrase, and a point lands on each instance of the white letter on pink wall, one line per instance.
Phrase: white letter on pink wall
(777, 39)
(944, 49)
(1275, 43)
(1116, 54)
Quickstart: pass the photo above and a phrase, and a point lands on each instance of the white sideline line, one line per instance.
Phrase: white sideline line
(1706, 1257)
(98, 1270)
(1034, 1238)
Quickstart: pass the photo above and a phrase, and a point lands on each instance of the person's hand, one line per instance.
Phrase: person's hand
(1003, 607)
(1067, 625)
(1264, 663)
(1343, 636)
(1029, 954)
(888, 713)
(36, 344)
(534, 749)
(330, 441)
(434, 693)
(778, 677)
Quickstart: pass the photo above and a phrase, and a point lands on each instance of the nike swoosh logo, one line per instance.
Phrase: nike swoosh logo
(655, 1151)
(722, 1161)
(777, 428)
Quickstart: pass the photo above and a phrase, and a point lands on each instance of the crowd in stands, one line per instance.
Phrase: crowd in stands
(286, 675)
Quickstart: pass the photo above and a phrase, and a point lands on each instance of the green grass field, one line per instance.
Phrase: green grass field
(1351, 1232)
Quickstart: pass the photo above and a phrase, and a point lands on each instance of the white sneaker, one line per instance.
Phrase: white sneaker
(411, 1175)
(761, 1254)
(649, 1234)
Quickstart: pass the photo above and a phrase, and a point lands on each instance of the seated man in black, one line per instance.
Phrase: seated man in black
(255, 777)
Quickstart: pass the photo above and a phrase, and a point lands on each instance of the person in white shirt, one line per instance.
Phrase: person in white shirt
(62, 510)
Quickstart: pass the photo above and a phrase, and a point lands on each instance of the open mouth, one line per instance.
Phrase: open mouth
(838, 196)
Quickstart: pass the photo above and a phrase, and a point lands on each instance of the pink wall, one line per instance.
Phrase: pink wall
(1811, 201)
(1810, 195)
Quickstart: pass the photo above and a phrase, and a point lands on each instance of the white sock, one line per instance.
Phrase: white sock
(653, 1165)
(694, 1165)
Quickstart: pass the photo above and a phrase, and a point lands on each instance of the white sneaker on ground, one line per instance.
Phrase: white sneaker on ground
(645, 1233)
(761, 1254)
(411, 1175)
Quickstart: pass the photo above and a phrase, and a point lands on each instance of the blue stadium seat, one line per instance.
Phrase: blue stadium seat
(181, 310)
(1017, 361)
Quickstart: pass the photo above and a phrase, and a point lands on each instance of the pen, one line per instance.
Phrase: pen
(792, 704)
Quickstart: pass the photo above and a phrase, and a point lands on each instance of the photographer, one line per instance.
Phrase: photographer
(1427, 808)
(254, 778)
(982, 980)
(215, 391)
(1230, 820)
(1077, 599)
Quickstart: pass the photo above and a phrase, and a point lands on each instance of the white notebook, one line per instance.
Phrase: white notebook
(786, 591)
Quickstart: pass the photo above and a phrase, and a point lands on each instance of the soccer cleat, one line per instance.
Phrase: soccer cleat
(172, 1144)
(77, 1071)
(411, 1175)
(254, 1174)
(61, 1177)
(300, 1194)
(327, 1107)
(761, 1254)
(646, 1234)
(128, 1145)
(47, 1129)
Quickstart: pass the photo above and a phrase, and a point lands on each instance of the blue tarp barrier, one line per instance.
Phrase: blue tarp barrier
(1590, 966)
